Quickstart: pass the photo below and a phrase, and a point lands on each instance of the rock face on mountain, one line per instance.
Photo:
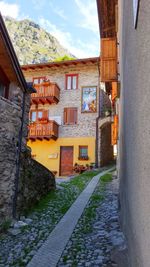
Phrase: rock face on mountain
(32, 43)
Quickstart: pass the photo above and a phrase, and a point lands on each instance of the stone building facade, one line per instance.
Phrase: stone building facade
(14, 110)
(83, 132)
(10, 122)
(133, 40)
(134, 142)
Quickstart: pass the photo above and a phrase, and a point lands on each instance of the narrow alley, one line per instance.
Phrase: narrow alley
(86, 235)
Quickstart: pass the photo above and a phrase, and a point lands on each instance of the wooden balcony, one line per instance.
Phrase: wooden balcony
(43, 130)
(47, 92)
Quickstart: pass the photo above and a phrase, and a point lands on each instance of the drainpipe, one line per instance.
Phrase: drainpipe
(18, 159)
(97, 119)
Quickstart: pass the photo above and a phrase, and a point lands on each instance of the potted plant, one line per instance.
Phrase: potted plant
(83, 158)
(107, 111)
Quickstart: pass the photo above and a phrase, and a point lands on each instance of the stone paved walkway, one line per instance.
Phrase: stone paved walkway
(97, 240)
(50, 252)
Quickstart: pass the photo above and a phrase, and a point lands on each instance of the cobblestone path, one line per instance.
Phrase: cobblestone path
(93, 240)
(50, 252)
(19, 244)
(92, 225)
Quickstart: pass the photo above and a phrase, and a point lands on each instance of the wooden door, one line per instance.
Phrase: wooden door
(66, 160)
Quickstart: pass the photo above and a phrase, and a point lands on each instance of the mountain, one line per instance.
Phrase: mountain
(32, 43)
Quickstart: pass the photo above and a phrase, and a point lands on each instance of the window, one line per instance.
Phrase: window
(33, 116)
(38, 115)
(71, 81)
(70, 116)
(83, 152)
(135, 11)
(4, 84)
(2, 90)
(38, 80)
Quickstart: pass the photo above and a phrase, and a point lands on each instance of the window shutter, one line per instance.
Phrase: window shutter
(114, 131)
(70, 115)
(108, 59)
(115, 90)
(65, 115)
(73, 115)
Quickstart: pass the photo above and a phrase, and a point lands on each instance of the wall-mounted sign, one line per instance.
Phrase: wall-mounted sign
(53, 156)
(135, 11)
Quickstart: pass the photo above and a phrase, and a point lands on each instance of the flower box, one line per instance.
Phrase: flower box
(83, 158)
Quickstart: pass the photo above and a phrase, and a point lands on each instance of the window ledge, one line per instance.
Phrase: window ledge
(69, 125)
(83, 158)
(68, 90)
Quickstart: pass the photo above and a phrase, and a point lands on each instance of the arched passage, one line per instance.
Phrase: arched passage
(106, 149)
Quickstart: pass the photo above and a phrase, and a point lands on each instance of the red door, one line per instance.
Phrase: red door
(66, 160)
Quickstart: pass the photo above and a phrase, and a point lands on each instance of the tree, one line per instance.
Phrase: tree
(65, 57)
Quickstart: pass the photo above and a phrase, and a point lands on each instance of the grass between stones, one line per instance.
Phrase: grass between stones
(16, 251)
(4, 226)
(69, 192)
(76, 246)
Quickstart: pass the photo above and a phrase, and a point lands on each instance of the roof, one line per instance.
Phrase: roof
(8, 58)
(106, 15)
(61, 63)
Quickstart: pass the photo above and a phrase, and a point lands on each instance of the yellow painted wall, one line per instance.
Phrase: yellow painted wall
(44, 149)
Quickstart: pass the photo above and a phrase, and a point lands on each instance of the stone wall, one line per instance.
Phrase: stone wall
(35, 181)
(10, 123)
(32, 173)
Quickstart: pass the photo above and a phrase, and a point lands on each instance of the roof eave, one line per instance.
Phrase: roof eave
(12, 55)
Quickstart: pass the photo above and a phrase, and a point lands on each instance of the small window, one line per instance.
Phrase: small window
(33, 116)
(70, 116)
(2, 90)
(83, 152)
(38, 115)
(71, 81)
(39, 80)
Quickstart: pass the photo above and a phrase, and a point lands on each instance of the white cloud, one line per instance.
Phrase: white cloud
(60, 13)
(57, 10)
(76, 47)
(38, 4)
(8, 9)
(89, 13)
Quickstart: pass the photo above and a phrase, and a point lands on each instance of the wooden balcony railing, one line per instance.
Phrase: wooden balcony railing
(47, 92)
(43, 130)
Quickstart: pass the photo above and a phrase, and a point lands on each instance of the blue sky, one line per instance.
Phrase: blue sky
(73, 22)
